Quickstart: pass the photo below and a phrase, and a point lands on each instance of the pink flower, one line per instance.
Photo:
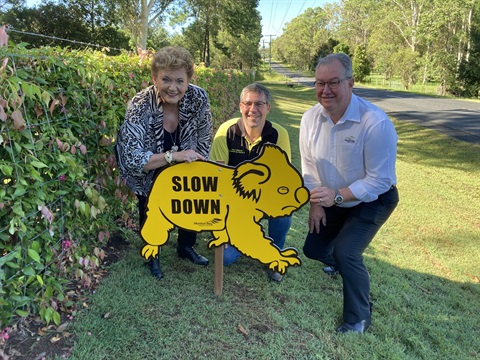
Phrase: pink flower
(62, 178)
(4, 334)
(66, 244)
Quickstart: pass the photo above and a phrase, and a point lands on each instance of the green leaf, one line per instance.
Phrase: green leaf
(20, 300)
(19, 191)
(56, 318)
(35, 174)
(6, 170)
(22, 313)
(29, 271)
(12, 265)
(9, 257)
(17, 209)
(38, 164)
(49, 314)
(49, 292)
(36, 246)
(40, 280)
(101, 203)
(34, 255)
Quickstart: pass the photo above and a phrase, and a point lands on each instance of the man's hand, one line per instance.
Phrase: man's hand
(317, 215)
(322, 196)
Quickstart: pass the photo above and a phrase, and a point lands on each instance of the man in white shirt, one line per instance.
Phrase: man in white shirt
(348, 148)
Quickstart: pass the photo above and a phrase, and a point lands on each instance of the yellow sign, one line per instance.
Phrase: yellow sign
(229, 202)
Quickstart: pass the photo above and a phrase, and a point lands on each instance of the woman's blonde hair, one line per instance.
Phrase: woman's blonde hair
(172, 58)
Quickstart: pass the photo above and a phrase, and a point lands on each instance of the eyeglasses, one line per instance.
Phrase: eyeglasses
(249, 104)
(334, 84)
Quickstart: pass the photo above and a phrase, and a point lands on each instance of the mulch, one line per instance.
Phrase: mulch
(31, 339)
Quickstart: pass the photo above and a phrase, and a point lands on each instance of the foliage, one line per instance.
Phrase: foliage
(221, 33)
(360, 64)
(223, 88)
(61, 195)
(139, 17)
(326, 48)
(468, 81)
(303, 39)
(63, 21)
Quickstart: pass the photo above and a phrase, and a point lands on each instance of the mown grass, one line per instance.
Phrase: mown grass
(424, 266)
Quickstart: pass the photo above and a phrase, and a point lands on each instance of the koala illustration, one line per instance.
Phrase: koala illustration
(228, 201)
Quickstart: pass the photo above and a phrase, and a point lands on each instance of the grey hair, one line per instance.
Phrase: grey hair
(256, 88)
(343, 58)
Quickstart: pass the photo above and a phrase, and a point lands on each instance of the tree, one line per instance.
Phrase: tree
(303, 37)
(64, 20)
(361, 64)
(137, 17)
(468, 82)
(49, 19)
(326, 48)
(215, 23)
(6, 5)
(358, 19)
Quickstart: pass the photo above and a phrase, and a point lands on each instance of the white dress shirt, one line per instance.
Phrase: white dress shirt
(358, 152)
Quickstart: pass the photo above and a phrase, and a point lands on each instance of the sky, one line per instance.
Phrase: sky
(276, 13)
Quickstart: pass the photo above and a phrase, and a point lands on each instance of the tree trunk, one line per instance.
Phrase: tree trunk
(143, 26)
(206, 49)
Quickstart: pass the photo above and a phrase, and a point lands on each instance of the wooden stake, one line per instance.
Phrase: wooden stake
(218, 276)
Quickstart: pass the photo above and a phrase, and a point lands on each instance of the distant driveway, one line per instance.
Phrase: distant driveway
(457, 118)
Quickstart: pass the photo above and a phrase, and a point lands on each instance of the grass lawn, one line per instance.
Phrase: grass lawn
(424, 267)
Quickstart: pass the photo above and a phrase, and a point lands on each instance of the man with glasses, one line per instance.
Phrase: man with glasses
(241, 139)
(348, 148)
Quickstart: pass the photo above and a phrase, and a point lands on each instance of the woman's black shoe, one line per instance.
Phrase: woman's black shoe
(188, 252)
(155, 268)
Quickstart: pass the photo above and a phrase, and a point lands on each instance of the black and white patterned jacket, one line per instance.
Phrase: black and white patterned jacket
(141, 134)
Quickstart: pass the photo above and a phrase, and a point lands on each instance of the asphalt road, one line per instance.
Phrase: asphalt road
(457, 118)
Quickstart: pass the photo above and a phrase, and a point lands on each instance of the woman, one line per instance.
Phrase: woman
(166, 123)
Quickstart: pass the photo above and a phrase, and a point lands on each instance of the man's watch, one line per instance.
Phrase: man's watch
(338, 199)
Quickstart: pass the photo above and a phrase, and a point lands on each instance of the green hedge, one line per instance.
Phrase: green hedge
(61, 196)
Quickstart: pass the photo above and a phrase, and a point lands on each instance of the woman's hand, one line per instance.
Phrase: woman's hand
(187, 156)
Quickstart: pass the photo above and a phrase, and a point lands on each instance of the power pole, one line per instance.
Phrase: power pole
(270, 49)
(263, 50)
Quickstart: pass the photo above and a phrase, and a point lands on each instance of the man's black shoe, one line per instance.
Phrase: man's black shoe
(330, 270)
(188, 252)
(359, 327)
(155, 270)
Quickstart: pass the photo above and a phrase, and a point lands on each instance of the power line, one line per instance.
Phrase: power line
(301, 8)
(10, 29)
(272, 18)
(286, 12)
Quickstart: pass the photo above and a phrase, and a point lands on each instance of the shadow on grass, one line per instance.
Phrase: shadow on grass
(419, 144)
(416, 315)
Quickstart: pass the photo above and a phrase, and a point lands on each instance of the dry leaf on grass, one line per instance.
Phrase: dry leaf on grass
(55, 339)
(62, 327)
(242, 330)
